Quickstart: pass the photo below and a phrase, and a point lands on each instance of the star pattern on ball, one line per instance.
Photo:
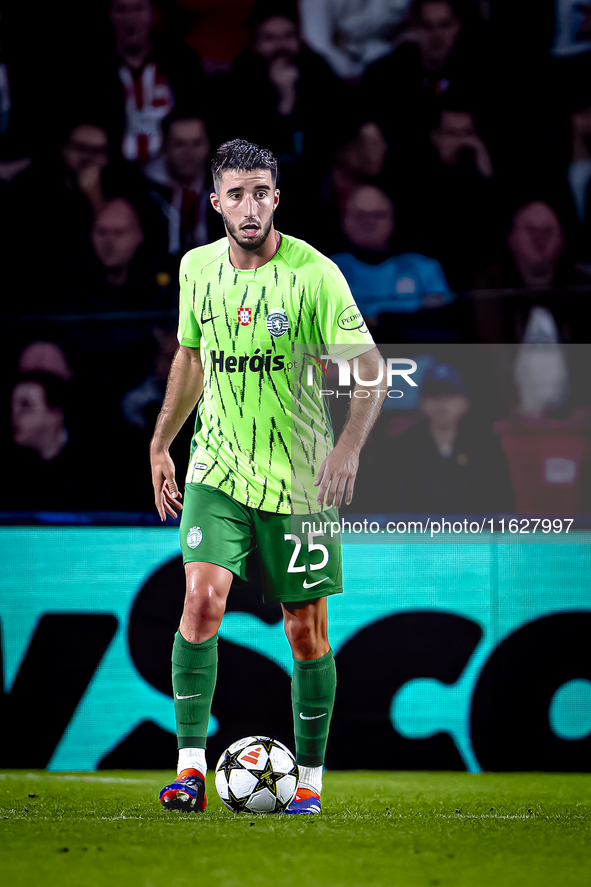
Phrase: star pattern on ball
(238, 804)
(231, 762)
(268, 778)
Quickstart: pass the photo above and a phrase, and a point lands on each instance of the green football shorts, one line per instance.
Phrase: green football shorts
(299, 559)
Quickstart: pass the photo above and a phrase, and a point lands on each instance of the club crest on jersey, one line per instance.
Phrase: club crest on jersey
(194, 537)
(244, 316)
(277, 323)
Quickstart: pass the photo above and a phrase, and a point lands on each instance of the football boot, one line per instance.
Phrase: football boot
(305, 801)
(186, 793)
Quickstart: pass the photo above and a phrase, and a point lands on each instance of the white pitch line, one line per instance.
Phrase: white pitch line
(68, 777)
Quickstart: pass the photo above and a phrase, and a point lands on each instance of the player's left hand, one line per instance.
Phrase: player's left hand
(337, 472)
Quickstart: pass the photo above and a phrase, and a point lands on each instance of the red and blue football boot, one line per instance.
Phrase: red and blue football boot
(186, 793)
(305, 801)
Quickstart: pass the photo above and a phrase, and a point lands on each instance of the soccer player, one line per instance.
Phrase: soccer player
(252, 306)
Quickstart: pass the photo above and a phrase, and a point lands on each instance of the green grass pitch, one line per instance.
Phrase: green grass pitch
(381, 829)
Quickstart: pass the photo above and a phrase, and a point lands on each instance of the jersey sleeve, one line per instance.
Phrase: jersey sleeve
(189, 333)
(341, 323)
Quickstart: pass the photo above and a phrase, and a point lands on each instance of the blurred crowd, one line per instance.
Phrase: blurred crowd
(439, 151)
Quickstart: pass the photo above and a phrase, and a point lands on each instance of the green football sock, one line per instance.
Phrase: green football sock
(313, 690)
(194, 672)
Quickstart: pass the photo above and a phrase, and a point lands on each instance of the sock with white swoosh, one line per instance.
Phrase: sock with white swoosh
(194, 673)
(313, 690)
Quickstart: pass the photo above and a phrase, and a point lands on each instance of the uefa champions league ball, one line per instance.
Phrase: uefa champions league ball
(257, 775)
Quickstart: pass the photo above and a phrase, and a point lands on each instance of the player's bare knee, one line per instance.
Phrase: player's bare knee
(306, 638)
(204, 605)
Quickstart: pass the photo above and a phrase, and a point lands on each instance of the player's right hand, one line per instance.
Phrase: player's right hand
(166, 492)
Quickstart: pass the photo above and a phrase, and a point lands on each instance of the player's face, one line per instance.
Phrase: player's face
(247, 201)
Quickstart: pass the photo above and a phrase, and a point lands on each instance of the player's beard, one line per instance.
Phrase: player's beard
(251, 243)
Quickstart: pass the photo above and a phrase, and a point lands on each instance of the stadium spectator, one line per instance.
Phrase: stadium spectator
(442, 60)
(38, 415)
(549, 462)
(351, 35)
(457, 142)
(141, 405)
(541, 377)
(300, 103)
(571, 48)
(45, 357)
(137, 80)
(180, 183)
(362, 158)
(85, 156)
(116, 237)
(382, 280)
(16, 130)
(139, 408)
(130, 275)
(579, 171)
(450, 199)
(20, 141)
(86, 177)
(76, 181)
(447, 462)
(545, 434)
(537, 263)
(46, 456)
(156, 76)
(371, 153)
(125, 277)
(535, 243)
(573, 29)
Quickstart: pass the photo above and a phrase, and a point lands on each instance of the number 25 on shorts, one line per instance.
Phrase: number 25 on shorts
(312, 546)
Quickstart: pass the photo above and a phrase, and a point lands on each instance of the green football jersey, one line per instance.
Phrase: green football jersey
(263, 427)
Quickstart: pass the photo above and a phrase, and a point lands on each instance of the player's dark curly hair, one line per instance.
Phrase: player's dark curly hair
(242, 155)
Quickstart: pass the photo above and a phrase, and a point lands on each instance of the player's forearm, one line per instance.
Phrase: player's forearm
(364, 409)
(183, 390)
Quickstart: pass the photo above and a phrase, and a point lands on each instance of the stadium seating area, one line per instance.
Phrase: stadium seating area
(441, 154)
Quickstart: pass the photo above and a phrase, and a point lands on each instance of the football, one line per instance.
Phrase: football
(256, 775)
